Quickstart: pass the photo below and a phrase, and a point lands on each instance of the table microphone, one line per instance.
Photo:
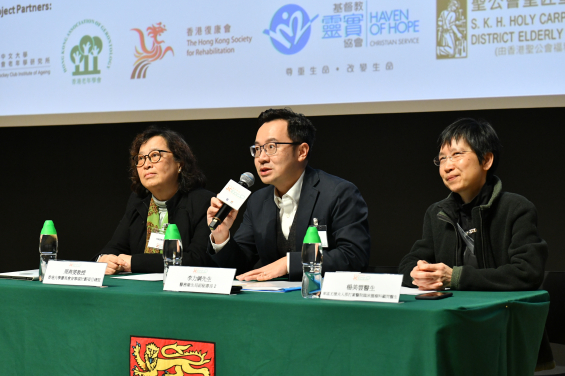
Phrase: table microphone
(246, 180)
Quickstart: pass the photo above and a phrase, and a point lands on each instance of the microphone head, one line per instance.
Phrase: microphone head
(247, 178)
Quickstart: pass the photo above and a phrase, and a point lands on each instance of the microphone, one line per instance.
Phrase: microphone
(246, 180)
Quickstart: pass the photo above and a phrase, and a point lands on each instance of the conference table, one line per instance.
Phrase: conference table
(70, 330)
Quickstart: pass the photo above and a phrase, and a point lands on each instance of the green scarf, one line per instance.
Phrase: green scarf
(153, 225)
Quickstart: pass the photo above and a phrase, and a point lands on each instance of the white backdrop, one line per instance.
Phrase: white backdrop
(107, 61)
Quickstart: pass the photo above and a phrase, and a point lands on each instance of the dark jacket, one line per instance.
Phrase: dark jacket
(335, 202)
(186, 210)
(510, 253)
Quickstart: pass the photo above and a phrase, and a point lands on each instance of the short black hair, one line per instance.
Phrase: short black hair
(191, 177)
(480, 136)
(300, 129)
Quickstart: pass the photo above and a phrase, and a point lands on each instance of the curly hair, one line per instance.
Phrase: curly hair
(190, 177)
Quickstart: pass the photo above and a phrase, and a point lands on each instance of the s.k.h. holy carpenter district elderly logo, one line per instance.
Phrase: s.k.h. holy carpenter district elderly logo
(158, 356)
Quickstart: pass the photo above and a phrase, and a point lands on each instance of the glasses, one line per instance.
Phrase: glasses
(270, 148)
(154, 157)
(438, 161)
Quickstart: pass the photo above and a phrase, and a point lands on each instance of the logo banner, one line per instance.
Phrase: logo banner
(160, 356)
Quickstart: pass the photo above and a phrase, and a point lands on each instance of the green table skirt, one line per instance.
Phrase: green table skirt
(63, 330)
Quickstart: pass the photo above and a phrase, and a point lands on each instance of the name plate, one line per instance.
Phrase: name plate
(234, 194)
(192, 279)
(362, 287)
(75, 273)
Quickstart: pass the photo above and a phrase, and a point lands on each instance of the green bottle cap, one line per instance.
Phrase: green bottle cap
(312, 236)
(172, 233)
(48, 228)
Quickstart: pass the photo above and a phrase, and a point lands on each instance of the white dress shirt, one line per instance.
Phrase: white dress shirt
(287, 204)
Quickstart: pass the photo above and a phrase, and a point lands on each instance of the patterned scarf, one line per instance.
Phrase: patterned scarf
(153, 225)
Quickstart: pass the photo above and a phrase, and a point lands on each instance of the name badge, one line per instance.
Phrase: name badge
(75, 273)
(234, 195)
(192, 279)
(156, 240)
(362, 287)
(323, 238)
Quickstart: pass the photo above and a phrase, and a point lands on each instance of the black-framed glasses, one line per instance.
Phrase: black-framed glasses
(270, 148)
(154, 157)
(438, 161)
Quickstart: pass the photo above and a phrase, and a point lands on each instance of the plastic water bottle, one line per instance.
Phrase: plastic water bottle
(312, 264)
(48, 246)
(172, 249)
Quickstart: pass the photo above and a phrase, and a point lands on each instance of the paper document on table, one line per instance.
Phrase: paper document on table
(412, 291)
(30, 275)
(271, 286)
(143, 277)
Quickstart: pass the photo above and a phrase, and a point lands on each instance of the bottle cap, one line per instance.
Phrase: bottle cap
(312, 236)
(48, 228)
(172, 232)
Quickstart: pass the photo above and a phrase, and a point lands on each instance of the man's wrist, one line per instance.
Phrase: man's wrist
(218, 247)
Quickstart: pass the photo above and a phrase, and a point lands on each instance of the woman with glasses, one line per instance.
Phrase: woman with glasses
(167, 188)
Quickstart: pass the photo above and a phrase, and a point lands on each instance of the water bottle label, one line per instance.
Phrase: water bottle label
(156, 240)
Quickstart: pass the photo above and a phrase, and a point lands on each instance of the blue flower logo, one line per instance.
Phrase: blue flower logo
(290, 29)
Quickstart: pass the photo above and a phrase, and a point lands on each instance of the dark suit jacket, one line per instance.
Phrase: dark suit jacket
(335, 202)
(186, 210)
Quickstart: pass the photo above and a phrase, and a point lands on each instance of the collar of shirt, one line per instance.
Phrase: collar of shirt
(289, 201)
(465, 210)
(162, 206)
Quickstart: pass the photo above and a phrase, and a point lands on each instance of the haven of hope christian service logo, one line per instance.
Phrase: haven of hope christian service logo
(147, 56)
(87, 49)
(290, 29)
(159, 356)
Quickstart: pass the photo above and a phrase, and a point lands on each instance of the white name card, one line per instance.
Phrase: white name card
(234, 195)
(324, 238)
(75, 273)
(362, 287)
(193, 279)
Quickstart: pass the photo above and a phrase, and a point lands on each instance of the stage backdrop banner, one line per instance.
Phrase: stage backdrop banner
(65, 57)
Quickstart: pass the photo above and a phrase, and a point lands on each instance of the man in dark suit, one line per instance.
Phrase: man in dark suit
(278, 216)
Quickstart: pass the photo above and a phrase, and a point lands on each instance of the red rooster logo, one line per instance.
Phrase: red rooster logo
(146, 56)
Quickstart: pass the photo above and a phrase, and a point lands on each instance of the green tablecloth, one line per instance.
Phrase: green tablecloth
(62, 330)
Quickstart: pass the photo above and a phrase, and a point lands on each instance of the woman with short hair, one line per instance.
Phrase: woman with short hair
(168, 187)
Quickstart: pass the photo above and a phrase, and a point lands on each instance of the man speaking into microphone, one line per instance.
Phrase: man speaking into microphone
(277, 217)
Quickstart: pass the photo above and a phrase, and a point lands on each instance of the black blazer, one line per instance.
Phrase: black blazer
(336, 203)
(186, 210)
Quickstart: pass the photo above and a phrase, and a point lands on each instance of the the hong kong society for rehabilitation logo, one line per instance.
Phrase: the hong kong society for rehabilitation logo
(86, 52)
(144, 55)
(290, 29)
